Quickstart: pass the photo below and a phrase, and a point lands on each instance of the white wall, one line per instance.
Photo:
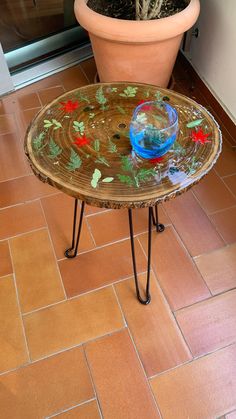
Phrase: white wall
(213, 53)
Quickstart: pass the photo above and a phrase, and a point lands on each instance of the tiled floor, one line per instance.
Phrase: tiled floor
(75, 343)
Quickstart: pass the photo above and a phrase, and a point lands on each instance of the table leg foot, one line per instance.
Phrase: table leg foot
(147, 290)
(72, 251)
(159, 227)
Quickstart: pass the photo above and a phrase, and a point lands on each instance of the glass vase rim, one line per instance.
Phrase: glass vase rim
(160, 102)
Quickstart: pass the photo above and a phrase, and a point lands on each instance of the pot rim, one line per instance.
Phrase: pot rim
(133, 31)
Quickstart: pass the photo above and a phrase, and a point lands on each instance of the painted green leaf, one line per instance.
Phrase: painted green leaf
(108, 179)
(178, 149)
(121, 110)
(141, 118)
(96, 145)
(75, 161)
(47, 123)
(91, 115)
(145, 174)
(130, 91)
(112, 148)
(79, 127)
(56, 124)
(194, 123)
(82, 97)
(100, 96)
(38, 142)
(95, 178)
(147, 93)
(126, 164)
(102, 160)
(158, 96)
(97, 174)
(94, 183)
(126, 179)
(114, 89)
(55, 150)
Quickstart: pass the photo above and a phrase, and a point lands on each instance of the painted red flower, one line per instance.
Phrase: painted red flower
(199, 136)
(69, 106)
(156, 160)
(81, 141)
(146, 107)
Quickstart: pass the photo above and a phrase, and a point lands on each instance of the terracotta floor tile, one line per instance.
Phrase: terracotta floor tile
(154, 329)
(225, 222)
(116, 224)
(120, 382)
(214, 323)
(72, 322)
(192, 224)
(73, 77)
(226, 164)
(24, 118)
(231, 183)
(89, 68)
(20, 219)
(37, 276)
(219, 269)
(90, 210)
(47, 95)
(19, 100)
(100, 267)
(176, 273)
(25, 188)
(86, 411)
(13, 163)
(7, 124)
(46, 387)
(13, 349)
(212, 193)
(231, 415)
(5, 259)
(205, 388)
(59, 210)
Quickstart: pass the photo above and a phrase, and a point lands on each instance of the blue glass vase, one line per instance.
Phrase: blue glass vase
(153, 129)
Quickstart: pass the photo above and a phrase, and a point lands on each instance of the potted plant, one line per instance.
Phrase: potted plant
(142, 49)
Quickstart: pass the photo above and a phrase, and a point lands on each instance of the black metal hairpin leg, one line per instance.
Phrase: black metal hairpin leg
(147, 294)
(159, 228)
(72, 251)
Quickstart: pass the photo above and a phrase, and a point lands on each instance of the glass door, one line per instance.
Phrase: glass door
(34, 31)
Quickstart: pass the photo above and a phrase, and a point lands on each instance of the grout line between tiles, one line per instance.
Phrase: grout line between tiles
(144, 373)
(78, 345)
(105, 245)
(210, 220)
(53, 250)
(168, 306)
(22, 322)
(84, 73)
(79, 295)
(18, 303)
(195, 359)
(119, 304)
(90, 232)
(232, 193)
(70, 408)
(26, 202)
(93, 383)
(211, 298)
(181, 242)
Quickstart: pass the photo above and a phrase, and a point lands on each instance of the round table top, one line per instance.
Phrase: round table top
(80, 144)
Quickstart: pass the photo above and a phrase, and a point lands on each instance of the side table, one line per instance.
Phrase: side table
(79, 143)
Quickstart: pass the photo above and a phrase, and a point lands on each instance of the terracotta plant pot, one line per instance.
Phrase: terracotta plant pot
(142, 51)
